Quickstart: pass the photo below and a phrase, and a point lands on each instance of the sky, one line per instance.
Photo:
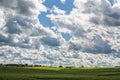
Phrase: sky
(60, 32)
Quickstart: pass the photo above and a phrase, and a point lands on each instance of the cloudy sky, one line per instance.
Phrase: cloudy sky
(60, 32)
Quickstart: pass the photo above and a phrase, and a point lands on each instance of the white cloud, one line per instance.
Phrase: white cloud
(63, 1)
(21, 32)
(57, 11)
(93, 26)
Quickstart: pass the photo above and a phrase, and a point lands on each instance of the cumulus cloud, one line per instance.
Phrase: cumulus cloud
(21, 30)
(63, 1)
(20, 26)
(93, 26)
(86, 23)
(50, 41)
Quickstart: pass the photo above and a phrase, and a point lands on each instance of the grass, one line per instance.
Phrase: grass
(51, 73)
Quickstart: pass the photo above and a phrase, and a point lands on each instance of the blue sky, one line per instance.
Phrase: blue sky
(67, 7)
(112, 1)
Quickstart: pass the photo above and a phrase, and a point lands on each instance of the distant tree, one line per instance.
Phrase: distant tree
(117, 66)
(1, 64)
(82, 66)
(26, 65)
(69, 67)
(60, 66)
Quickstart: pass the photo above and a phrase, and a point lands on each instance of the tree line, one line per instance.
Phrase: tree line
(19, 65)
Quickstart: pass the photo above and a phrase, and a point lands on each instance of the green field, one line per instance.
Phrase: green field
(51, 73)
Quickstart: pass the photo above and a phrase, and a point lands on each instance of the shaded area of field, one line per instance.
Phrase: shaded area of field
(50, 73)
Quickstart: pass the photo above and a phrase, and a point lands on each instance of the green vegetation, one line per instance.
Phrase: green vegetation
(52, 73)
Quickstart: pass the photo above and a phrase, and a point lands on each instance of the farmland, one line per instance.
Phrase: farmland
(53, 73)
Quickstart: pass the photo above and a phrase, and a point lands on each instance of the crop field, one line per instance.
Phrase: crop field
(52, 73)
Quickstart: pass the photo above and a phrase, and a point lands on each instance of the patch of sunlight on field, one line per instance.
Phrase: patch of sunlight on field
(69, 68)
(45, 68)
